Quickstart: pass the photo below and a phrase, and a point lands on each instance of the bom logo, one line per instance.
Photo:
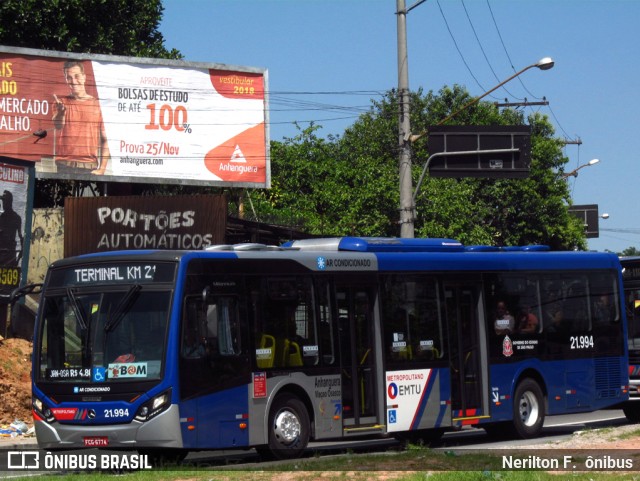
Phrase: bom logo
(134, 369)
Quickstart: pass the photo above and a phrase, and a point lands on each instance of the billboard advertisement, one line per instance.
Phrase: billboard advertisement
(98, 117)
(182, 222)
(16, 200)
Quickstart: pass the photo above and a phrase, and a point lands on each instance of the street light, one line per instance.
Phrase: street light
(574, 172)
(407, 207)
(543, 64)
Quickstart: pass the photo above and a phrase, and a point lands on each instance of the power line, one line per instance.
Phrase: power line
(506, 52)
(455, 43)
(482, 49)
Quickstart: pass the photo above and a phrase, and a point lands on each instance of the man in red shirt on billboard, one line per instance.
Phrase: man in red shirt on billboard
(81, 142)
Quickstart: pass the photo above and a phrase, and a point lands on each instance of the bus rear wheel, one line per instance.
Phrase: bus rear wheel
(289, 428)
(632, 411)
(528, 409)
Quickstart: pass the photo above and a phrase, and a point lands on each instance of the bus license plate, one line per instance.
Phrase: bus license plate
(96, 441)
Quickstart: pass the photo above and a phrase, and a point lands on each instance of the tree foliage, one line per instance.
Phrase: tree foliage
(630, 252)
(115, 27)
(349, 185)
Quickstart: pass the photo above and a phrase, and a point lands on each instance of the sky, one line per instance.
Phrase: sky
(327, 60)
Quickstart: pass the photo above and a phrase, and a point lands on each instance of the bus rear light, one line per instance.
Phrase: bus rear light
(243, 425)
(558, 398)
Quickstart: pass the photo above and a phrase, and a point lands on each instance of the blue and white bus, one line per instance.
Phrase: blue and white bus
(273, 347)
(631, 279)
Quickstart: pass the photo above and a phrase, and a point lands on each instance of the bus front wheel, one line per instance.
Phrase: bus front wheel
(289, 428)
(528, 409)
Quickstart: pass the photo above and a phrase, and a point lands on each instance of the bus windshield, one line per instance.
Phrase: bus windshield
(114, 335)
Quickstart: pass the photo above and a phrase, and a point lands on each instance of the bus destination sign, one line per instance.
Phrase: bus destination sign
(120, 273)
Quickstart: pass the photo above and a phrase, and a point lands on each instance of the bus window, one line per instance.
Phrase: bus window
(412, 318)
(605, 308)
(287, 331)
(212, 328)
(326, 333)
(566, 305)
(513, 304)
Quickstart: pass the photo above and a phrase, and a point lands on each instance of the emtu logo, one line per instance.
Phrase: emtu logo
(392, 390)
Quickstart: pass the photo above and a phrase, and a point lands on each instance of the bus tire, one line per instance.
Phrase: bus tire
(632, 411)
(289, 428)
(528, 409)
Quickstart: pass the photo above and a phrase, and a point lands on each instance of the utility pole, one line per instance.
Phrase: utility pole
(577, 141)
(407, 210)
(526, 103)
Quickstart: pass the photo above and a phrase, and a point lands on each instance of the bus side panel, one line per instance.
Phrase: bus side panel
(417, 399)
(323, 393)
(571, 386)
(216, 421)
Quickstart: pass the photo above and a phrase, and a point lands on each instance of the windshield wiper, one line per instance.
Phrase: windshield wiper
(78, 310)
(122, 308)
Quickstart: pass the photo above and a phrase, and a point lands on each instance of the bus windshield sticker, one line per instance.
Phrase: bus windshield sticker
(310, 351)
(68, 373)
(127, 370)
(263, 353)
(426, 345)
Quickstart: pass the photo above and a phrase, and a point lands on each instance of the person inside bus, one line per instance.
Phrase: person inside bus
(504, 323)
(557, 321)
(192, 347)
(527, 321)
(604, 310)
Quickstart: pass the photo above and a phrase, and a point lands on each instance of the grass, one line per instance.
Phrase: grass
(629, 435)
(414, 464)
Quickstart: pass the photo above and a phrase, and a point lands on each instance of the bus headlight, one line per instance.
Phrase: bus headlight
(154, 406)
(42, 410)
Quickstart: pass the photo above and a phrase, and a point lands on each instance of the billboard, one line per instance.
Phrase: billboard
(184, 222)
(16, 200)
(123, 119)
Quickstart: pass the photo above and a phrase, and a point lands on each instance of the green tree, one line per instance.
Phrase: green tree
(349, 185)
(302, 183)
(481, 211)
(630, 252)
(114, 27)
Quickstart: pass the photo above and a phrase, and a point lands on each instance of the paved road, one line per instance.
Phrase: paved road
(555, 428)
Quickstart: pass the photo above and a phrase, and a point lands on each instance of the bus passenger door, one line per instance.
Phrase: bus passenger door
(356, 329)
(468, 353)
